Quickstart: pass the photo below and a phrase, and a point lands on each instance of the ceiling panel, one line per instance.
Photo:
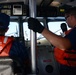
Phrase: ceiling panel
(38, 2)
(43, 2)
(72, 3)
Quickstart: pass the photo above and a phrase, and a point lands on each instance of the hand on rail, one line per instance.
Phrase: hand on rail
(35, 25)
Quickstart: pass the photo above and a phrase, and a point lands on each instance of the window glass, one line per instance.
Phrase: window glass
(27, 31)
(55, 27)
(13, 29)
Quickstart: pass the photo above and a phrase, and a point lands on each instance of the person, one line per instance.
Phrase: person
(64, 29)
(65, 47)
(12, 48)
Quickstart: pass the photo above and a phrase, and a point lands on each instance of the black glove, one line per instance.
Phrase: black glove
(35, 25)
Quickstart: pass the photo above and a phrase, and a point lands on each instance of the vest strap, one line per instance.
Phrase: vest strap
(5, 45)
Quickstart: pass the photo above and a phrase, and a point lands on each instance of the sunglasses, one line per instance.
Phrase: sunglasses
(66, 17)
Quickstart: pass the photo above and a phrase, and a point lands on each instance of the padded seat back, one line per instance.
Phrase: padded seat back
(6, 66)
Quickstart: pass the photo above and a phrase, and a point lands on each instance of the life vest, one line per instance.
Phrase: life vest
(65, 57)
(67, 32)
(5, 45)
(6, 67)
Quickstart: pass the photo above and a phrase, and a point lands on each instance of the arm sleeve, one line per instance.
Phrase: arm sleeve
(72, 37)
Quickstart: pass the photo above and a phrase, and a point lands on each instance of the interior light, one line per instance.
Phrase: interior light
(55, 3)
(62, 10)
